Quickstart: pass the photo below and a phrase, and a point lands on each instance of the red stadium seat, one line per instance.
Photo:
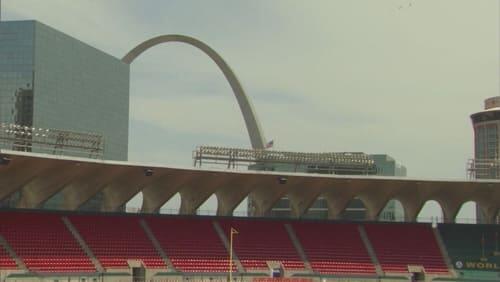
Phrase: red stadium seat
(334, 248)
(43, 242)
(116, 239)
(259, 241)
(192, 244)
(400, 245)
(6, 262)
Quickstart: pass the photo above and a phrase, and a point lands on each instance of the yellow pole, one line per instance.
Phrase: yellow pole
(231, 256)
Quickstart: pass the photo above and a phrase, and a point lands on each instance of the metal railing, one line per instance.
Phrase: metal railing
(51, 141)
(354, 162)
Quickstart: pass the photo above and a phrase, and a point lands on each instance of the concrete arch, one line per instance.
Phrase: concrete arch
(428, 205)
(253, 127)
(357, 207)
(462, 209)
(388, 212)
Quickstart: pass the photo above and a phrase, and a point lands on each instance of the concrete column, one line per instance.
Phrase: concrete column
(337, 202)
(490, 212)
(83, 188)
(194, 196)
(412, 196)
(304, 194)
(450, 207)
(374, 200)
(19, 172)
(411, 210)
(126, 186)
(158, 192)
(487, 200)
(373, 207)
(340, 193)
(266, 196)
(41, 188)
(230, 195)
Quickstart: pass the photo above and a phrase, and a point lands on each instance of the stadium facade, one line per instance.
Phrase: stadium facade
(51, 80)
(360, 164)
(111, 246)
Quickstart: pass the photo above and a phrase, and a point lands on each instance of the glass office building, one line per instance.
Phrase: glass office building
(51, 80)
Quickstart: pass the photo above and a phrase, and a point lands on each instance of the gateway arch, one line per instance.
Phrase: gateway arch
(253, 127)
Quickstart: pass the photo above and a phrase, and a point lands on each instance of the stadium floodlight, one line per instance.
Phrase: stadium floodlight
(4, 160)
(148, 172)
(282, 180)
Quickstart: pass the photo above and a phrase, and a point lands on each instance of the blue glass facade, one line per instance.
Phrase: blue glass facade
(51, 80)
(16, 72)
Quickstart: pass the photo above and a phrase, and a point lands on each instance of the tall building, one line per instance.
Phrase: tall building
(51, 80)
(486, 162)
(486, 125)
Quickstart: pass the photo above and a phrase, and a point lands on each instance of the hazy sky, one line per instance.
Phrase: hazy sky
(399, 77)
(354, 75)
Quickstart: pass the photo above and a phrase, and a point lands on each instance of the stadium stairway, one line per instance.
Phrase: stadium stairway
(191, 244)
(82, 244)
(56, 242)
(225, 241)
(334, 248)
(399, 245)
(370, 250)
(44, 243)
(156, 244)
(262, 241)
(9, 258)
(298, 247)
(116, 240)
(444, 251)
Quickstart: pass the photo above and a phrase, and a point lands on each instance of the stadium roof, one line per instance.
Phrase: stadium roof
(40, 176)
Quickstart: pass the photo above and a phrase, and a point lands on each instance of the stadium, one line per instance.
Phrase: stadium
(65, 183)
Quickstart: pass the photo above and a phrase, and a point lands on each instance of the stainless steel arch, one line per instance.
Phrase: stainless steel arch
(252, 124)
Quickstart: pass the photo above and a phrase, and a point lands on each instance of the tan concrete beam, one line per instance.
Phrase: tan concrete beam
(265, 197)
(126, 186)
(159, 191)
(304, 194)
(230, 195)
(486, 197)
(83, 188)
(19, 172)
(374, 200)
(193, 196)
(340, 193)
(51, 181)
(413, 195)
